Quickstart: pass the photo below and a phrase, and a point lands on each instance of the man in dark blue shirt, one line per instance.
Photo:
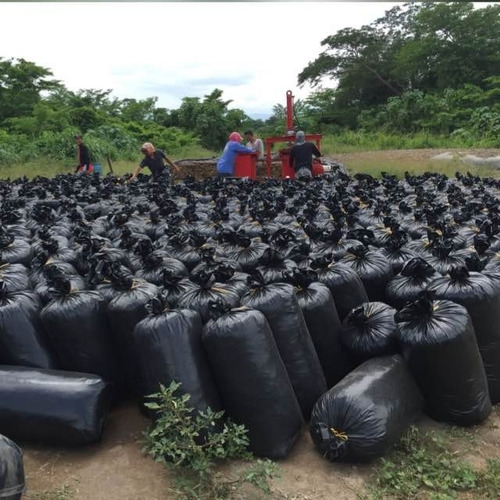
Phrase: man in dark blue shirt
(301, 156)
(153, 159)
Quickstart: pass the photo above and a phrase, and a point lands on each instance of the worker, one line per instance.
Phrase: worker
(225, 165)
(301, 156)
(254, 143)
(83, 156)
(153, 159)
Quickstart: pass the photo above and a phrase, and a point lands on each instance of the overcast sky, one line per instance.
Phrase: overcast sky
(252, 51)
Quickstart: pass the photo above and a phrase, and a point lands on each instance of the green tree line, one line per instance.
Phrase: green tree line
(431, 68)
(422, 67)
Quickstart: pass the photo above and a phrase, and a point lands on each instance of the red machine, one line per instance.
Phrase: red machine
(245, 165)
(286, 170)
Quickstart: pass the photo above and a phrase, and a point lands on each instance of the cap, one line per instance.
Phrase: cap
(300, 137)
(235, 136)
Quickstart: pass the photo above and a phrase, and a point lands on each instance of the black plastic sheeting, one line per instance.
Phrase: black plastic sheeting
(51, 406)
(169, 348)
(480, 295)
(344, 284)
(252, 381)
(278, 303)
(22, 339)
(78, 328)
(367, 412)
(15, 277)
(323, 323)
(412, 280)
(12, 482)
(369, 331)
(439, 345)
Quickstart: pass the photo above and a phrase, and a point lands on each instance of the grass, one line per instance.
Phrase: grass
(63, 493)
(423, 466)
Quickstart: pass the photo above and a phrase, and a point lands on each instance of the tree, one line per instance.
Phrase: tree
(21, 86)
(419, 46)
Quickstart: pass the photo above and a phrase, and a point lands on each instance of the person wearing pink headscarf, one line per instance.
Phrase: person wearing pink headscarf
(225, 165)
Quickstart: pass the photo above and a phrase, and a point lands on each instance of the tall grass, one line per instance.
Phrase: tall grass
(350, 141)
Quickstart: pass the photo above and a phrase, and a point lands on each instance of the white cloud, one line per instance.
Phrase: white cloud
(252, 51)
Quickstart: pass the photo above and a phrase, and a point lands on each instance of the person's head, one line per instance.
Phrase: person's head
(78, 138)
(249, 136)
(300, 137)
(147, 148)
(235, 137)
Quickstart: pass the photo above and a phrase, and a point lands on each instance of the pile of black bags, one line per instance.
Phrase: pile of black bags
(350, 302)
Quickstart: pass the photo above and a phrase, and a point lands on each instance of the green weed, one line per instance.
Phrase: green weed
(423, 466)
(195, 446)
(63, 493)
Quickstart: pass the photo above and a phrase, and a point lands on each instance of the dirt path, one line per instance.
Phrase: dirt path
(117, 470)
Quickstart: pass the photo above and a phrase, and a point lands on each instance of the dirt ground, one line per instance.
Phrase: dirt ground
(116, 469)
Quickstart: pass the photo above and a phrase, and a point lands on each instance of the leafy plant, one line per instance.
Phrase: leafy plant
(196, 444)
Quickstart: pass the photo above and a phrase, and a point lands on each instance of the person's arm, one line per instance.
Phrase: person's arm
(135, 173)
(260, 148)
(171, 163)
(239, 148)
(316, 152)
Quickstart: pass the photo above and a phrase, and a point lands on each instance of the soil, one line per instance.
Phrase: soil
(116, 469)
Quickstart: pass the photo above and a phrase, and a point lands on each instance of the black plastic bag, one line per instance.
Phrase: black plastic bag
(15, 277)
(480, 295)
(22, 339)
(12, 482)
(51, 406)
(77, 325)
(169, 348)
(406, 286)
(206, 290)
(344, 284)
(323, 323)
(369, 331)
(273, 264)
(253, 383)
(278, 303)
(124, 311)
(439, 345)
(372, 267)
(367, 412)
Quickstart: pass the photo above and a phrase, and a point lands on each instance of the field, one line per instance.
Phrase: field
(395, 162)
(438, 462)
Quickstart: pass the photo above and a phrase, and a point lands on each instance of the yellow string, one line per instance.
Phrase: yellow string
(339, 434)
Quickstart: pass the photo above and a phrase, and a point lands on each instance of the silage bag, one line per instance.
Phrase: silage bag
(344, 284)
(252, 380)
(369, 331)
(124, 311)
(367, 412)
(12, 482)
(480, 295)
(169, 348)
(409, 283)
(22, 339)
(439, 345)
(278, 303)
(51, 406)
(323, 323)
(76, 324)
